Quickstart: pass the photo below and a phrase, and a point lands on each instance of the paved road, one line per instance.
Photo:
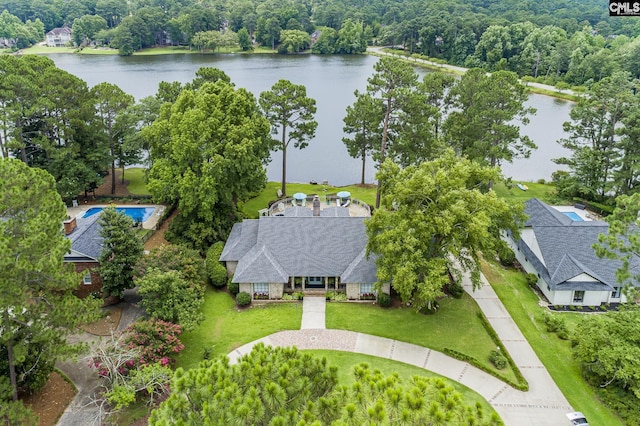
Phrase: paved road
(542, 405)
(377, 50)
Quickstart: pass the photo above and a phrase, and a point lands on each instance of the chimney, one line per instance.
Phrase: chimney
(69, 226)
(316, 206)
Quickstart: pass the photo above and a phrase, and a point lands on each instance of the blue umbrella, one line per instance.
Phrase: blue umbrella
(300, 196)
(342, 194)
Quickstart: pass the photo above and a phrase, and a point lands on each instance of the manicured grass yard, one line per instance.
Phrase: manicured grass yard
(455, 326)
(261, 201)
(345, 361)
(555, 354)
(137, 181)
(226, 328)
(544, 192)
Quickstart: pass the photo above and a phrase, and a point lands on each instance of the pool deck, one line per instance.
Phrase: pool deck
(150, 223)
(584, 214)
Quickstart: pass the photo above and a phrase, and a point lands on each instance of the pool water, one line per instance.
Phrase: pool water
(138, 214)
(573, 216)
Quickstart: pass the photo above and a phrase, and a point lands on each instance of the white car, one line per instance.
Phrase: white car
(578, 418)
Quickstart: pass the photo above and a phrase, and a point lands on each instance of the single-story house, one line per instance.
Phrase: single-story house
(86, 245)
(276, 254)
(58, 37)
(559, 250)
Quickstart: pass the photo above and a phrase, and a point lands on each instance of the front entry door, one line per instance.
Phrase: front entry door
(315, 282)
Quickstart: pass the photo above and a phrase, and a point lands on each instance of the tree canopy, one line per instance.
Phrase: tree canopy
(283, 386)
(290, 113)
(37, 307)
(608, 346)
(208, 149)
(121, 250)
(434, 220)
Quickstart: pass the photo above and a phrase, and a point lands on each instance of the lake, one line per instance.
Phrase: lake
(331, 81)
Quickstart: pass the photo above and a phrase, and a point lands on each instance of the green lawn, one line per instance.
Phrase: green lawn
(261, 201)
(455, 326)
(544, 192)
(555, 354)
(226, 328)
(137, 181)
(345, 361)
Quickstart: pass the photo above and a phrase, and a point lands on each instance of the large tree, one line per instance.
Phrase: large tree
(608, 346)
(171, 281)
(487, 113)
(622, 242)
(594, 139)
(208, 150)
(49, 121)
(391, 83)
(37, 307)
(111, 102)
(435, 218)
(290, 113)
(363, 122)
(121, 250)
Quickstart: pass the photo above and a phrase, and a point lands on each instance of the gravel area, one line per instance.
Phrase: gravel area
(340, 340)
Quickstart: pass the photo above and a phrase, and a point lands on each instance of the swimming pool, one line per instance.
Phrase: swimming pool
(138, 214)
(573, 216)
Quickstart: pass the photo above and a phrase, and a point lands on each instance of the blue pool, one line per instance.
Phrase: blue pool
(573, 216)
(138, 214)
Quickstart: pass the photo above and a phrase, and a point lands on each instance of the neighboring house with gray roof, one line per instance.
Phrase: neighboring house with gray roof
(276, 254)
(559, 250)
(86, 244)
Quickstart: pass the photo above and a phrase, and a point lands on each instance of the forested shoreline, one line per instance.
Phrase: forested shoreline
(567, 42)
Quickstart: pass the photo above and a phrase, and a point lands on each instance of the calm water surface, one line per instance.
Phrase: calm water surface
(330, 80)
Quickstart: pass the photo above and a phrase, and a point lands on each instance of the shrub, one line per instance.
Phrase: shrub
(506, 256)
(234, 288)
(532, 280)
(287, 296)
(542, 181)
(454, 289)
(243, 298)
(556, 324)
(335, 296)
(157, 340)
(207, 351)
(298, 295)
(498, 360)
(216, 272)
(384, 300)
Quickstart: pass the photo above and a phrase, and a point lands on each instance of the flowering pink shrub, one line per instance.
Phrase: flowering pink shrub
(156, 339)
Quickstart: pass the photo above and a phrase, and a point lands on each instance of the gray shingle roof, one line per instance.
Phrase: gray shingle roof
(85, 239)
(242, 238)
(567, 250)
(300, 246)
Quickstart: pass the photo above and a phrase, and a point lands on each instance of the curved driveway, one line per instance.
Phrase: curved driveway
(542, 405)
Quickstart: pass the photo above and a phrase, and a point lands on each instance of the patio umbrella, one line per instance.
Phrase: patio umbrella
(300, 196)
(344, 194)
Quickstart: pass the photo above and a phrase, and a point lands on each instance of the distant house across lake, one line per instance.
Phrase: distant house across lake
(59, 37)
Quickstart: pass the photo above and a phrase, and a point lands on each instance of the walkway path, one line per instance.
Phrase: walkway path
(313, 308)
(542, 405)
(82, 411)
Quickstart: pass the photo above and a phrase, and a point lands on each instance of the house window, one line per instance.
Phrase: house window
(367, 289)
(616, 293)
(578, 296)
(86, 280)
(260, 290)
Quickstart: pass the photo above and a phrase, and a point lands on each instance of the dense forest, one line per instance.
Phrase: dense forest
(553, 40)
